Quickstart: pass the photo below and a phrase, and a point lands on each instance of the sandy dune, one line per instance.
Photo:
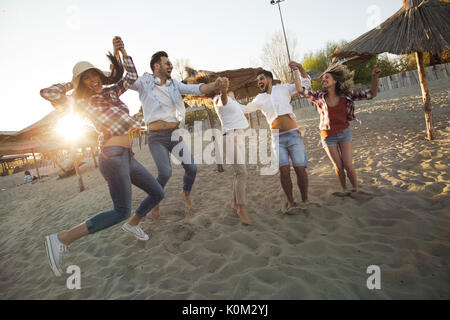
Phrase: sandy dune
(402, 224)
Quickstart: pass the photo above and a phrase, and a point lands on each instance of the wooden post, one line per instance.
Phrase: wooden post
(77, 169)
(93, 156)
(216, 146)
(35, 164)
(251, 120)
(426, 96)
(55, 161)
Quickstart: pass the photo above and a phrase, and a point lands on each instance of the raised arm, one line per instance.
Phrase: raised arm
(56, 94)
(224, 84)
(131, 74)
(211, 87)
(372, 92)
(302, 80)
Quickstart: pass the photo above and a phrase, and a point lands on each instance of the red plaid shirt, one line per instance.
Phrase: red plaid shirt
(318, 98)
(107, 112)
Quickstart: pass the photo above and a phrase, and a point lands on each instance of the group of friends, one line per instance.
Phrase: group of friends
(96, 96)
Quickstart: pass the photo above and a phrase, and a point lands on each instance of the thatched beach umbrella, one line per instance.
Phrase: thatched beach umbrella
(419, 26)
(242, 82)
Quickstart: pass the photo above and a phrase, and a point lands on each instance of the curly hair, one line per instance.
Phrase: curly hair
(343, 77)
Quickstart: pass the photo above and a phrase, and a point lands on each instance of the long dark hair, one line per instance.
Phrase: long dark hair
(82, 92)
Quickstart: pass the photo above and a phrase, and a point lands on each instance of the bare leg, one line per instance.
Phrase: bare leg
(302, 182)
(346, 154)
(187, 199)
(242, 212)
(134, 220)
(335, 157)
(286, 183)
(155, 212)
(67, 237)
(234, 206)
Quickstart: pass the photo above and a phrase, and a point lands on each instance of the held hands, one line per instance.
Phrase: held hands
(294, 65)
(222, 84)
(225, 83)
(119, 46)
(376, 71)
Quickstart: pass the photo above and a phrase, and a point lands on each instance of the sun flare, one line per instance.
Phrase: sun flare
(71, 127)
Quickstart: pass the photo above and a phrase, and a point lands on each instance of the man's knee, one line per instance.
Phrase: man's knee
(285, 171)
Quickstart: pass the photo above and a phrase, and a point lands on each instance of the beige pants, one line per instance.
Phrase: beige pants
(240, 169)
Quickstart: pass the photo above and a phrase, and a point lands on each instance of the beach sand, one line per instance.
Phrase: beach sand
(401, 225)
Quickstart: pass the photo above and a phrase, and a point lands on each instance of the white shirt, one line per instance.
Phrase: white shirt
(153, 108)
(230, 115)
(167, 111)
(277, 103)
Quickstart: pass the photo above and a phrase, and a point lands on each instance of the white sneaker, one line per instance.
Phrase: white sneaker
(136, 231)
(55, 253)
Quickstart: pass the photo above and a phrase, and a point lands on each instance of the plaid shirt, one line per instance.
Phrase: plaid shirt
(107, 112)
(318, 98)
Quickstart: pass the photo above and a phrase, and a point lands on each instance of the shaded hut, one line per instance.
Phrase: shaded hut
(41, 138)
(419, 26)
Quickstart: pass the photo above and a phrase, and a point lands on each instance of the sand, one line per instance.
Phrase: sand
(401, 225)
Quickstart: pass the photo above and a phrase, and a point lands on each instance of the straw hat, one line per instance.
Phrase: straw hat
(81, 67)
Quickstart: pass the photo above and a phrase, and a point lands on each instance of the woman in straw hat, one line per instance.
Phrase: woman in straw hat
(335, 105)
(117, 164)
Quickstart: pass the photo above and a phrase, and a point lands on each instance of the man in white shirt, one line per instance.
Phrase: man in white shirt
(164, 110)
(274, 103)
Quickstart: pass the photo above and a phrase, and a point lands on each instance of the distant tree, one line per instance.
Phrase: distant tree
(321, 59)
(179, 66)
(274, 55)
(408, 62)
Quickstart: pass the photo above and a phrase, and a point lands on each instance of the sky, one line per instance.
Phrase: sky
(41, 41)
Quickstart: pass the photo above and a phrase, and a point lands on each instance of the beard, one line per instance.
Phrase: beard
(265, 88)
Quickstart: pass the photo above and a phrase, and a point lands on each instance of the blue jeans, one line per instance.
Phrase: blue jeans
(160, 145)
(291, 145)
(120, 169)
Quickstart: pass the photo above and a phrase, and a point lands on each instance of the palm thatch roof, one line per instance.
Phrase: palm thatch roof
(40, 137)
(242, 82)
(418, 26)
(40, 126)
(43, 143)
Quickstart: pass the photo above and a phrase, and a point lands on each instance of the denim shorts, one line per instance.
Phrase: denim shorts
(337, 138)
(291, 145)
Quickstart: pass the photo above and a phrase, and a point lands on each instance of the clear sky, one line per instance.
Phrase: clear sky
(40, 41)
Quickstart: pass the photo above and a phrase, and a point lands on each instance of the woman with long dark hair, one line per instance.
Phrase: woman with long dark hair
(335, 104)
(117, 164)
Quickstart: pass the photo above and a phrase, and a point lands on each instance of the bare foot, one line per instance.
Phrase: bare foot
(234, 206)
(287, 206)
(187, 199)
(244, 217)
(155, 212)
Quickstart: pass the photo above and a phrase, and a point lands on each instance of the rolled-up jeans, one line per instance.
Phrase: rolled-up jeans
(120, 170)
(160, 145)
